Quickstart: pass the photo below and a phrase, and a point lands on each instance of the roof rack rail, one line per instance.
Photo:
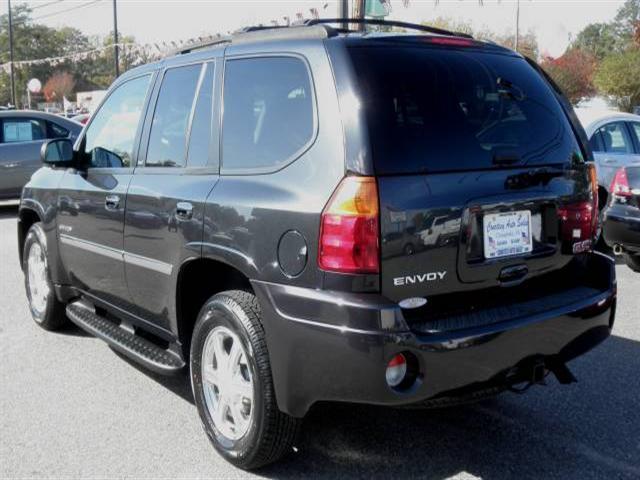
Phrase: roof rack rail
(390, 23)
(262, 32)
(200, 45)
(281, 32)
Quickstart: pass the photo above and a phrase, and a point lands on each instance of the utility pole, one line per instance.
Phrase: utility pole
(360, 10)
(517, 25)
(13, 79)
(343, 12)
(115, 38)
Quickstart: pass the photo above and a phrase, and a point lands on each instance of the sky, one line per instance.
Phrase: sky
(554, 21)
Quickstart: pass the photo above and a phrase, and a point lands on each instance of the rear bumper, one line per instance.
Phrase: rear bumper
(622, 226)
(330, 346)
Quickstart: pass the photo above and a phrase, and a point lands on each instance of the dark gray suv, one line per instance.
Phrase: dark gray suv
(311, 214)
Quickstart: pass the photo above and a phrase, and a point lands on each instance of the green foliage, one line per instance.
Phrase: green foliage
(619, 76)
(627, 19)
(599, 39)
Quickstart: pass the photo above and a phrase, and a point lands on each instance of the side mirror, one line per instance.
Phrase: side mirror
(57, 152)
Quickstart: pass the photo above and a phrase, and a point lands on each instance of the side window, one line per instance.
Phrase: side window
(635, 128)
(56, 131)
(596, 142)
(23, 130)
(168, 137)
(615, 138)
(110, 138)
(200, 135)
(268, 112)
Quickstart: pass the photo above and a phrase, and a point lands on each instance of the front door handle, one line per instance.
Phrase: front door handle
(184, 210)
(111, 202)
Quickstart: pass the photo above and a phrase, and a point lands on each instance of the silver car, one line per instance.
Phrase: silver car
(615, 140)
(22, 134)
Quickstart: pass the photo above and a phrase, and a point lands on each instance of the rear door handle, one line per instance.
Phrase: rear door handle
(609, 160)
(111, 202)
(184, 210)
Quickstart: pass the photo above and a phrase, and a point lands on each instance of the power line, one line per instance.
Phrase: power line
(46, 4)
(70, 9)
(75, 7)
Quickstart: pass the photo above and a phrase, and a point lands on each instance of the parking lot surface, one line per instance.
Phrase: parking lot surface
(70, 407)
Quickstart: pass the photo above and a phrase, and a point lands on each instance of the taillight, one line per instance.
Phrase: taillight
(620, 185)
(579, 221)
(349, 230)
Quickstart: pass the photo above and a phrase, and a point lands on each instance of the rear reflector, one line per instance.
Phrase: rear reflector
(349, 230)
(396, 370)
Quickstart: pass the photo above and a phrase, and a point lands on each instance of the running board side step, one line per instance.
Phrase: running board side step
(129, 344)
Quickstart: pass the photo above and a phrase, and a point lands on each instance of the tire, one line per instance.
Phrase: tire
(262, 434)
(46, 310)
(633, 261)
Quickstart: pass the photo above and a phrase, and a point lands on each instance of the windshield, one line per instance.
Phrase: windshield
(436, 109)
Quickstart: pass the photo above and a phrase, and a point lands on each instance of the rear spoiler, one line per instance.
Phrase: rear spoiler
(578, 129)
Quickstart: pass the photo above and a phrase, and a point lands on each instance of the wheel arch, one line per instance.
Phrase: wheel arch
(197, 280)
(26, 218)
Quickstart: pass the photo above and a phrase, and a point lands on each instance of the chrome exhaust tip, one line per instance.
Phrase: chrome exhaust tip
(617, 249)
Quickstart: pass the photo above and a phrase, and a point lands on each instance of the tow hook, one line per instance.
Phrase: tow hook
(563, 374)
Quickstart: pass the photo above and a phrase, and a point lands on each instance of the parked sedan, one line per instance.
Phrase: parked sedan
(22, 133)
(615, 140)
(622, 216)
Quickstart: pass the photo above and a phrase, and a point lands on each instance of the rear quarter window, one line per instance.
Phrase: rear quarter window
(269, 113)
(436, 109)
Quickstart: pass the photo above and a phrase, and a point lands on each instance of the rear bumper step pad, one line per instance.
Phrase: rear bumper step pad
(129, 344)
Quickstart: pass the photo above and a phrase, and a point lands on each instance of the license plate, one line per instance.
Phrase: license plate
(507, 233)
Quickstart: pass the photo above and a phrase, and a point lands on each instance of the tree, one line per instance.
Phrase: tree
(59, 85)
(573, 72)
(599, 39)
(627, 19)
(527, 43)
(33, 41)
(619, 77)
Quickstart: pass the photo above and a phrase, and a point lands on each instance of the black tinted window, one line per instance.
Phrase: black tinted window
(434, 109)
(168, 138)
(110, 138)
(57, 131)
(596, 143)
(200, 136)
(268, 112)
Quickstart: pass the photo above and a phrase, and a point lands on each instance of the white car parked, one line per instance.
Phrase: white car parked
(615, 140)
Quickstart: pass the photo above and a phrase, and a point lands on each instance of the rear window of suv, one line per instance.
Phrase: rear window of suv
(436, 109)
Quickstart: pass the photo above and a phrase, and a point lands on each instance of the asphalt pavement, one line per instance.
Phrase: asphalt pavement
(70, 407)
